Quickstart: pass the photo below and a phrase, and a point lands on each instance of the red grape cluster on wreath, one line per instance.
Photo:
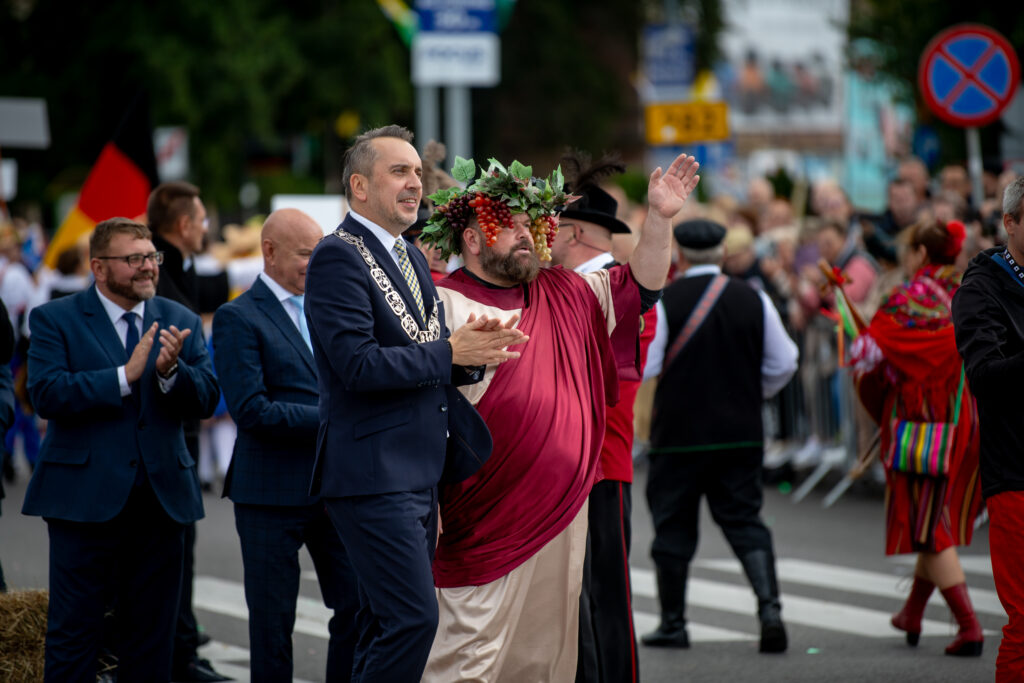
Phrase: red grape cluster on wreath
(492, 199)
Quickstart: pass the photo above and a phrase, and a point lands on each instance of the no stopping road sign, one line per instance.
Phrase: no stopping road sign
(968, 74)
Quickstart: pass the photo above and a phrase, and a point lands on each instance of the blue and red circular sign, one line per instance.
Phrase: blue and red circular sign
(968, 74)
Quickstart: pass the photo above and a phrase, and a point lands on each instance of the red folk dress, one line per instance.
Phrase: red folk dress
(907, 357)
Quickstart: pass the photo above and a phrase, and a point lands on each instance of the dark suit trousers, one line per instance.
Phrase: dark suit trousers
(731, 481)
(271, 536)
(607, 639)
(186, 630)
(133, 562)
(390, 540)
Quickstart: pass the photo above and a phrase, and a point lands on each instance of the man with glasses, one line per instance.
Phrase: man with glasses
(178, 219)
(116, 370)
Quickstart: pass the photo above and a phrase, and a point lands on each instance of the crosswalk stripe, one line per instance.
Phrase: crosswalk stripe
(228, 597)
(796, 609)
(972, 564)
(225, 659)
(823, 575)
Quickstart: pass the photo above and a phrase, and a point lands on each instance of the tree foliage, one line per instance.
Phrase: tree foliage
(245, 74)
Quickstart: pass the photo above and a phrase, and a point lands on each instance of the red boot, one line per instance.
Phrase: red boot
(970, 638)
(909, 618)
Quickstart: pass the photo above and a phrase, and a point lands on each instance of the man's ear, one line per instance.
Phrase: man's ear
(360, 186)
(96, 266)
(181, 224)
(472, 241)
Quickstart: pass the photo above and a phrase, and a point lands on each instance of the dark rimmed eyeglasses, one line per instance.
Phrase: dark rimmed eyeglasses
(135, 260)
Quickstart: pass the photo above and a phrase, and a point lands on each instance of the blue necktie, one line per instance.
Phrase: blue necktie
(131, 340)
(299, 301)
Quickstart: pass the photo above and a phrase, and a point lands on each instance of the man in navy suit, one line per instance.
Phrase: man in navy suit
(265, 365)
(116, 370)
(384, 366)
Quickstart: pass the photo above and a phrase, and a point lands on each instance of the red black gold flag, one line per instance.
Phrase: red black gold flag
(118, 184)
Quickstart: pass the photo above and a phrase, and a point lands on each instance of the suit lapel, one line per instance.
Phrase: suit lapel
(385, 261)
(270, 306)
(98, 321)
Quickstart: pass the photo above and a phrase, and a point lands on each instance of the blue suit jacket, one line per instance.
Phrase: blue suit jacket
(94, 437)
(384, 402)
(269, 381)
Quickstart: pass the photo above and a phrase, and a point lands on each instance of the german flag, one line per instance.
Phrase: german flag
(118, 184)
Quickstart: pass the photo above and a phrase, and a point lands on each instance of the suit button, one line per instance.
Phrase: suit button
(133, 463)
(444, 408)
(142, 424)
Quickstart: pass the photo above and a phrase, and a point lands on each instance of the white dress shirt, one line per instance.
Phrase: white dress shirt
(779, 360)
(285, 297)
(595, 264)
(382, 235)
(116, 315)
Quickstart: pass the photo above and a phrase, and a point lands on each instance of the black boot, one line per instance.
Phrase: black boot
(759, 567)
(672, 596)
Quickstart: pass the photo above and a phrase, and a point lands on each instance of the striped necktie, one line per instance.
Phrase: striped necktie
(410, 276)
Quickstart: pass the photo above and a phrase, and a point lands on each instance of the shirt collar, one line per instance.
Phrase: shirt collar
(382, 235)
(703, 269)
(280, 292)
(595, 264)
(115, 312)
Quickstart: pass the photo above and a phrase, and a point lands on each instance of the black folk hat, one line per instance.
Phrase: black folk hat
(595, 206)
(699, 233)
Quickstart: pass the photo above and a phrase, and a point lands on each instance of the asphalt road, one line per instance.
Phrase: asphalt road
(838, 592)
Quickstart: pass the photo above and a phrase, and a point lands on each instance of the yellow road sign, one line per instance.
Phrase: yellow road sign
(678, 123)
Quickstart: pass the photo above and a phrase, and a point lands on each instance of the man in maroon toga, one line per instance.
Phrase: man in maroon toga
(509, 562)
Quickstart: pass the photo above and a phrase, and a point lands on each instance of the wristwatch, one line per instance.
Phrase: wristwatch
(170, 373)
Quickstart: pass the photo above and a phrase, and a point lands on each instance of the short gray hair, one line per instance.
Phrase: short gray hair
(704, 257)
(360, 156)
(1012, 198)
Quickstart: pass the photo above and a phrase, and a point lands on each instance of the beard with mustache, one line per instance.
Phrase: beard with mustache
(138, 288)
(510, 266)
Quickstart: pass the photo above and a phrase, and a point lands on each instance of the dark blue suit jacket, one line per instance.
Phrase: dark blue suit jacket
(269, 381)
(384, 403)
(95, 437)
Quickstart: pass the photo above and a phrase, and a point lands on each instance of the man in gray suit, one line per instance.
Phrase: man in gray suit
(265, 365)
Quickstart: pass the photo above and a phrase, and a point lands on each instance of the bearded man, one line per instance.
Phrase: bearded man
(509, 562)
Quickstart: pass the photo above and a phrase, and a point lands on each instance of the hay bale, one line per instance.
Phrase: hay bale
(22, 635)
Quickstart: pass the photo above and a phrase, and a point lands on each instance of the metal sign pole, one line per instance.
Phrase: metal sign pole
(974, 165)
(428, 120)
(458, 128)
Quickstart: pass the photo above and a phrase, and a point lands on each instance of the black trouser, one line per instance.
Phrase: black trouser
(271, 537)
(133, 562)
(607, 639)
(730, 479)
(186, 630)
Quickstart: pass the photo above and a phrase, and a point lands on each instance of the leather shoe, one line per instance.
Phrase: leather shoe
(197, 671)
(668, 635)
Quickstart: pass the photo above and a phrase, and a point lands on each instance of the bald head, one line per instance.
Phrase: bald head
(288, 239)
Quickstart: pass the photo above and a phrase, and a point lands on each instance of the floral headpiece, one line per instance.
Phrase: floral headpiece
(494, 197)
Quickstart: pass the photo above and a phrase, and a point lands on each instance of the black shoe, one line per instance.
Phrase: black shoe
(773, 635)
(671, 635)
(197, 671)
(204, 637)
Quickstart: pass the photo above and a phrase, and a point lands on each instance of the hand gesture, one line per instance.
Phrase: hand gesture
(171, 341)
(137, 363)
(482, 341)
(667, 192)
